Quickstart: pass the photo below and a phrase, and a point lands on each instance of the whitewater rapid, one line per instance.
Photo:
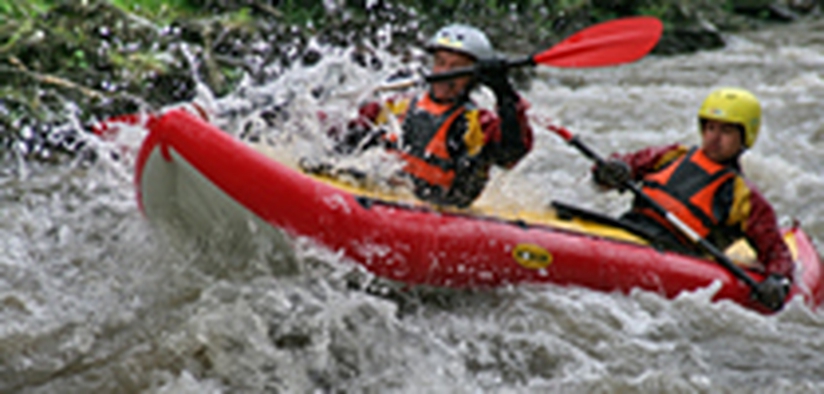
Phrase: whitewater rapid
(93, 299)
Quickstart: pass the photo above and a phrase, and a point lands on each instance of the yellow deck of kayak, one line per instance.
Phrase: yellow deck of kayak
(740, 251)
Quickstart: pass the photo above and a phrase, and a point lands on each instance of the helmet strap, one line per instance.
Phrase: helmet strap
(735, 161)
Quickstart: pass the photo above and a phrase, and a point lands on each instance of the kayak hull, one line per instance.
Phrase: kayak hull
(200, 178)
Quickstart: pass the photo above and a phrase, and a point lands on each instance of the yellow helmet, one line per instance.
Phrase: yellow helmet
(734, 105)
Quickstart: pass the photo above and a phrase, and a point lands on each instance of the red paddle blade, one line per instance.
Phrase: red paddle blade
(605, 44)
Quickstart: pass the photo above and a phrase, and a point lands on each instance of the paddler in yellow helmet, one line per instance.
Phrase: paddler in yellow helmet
(448, 144)
(705, 188)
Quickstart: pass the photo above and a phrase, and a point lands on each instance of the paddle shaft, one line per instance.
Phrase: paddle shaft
(464, 71)
(720, 257)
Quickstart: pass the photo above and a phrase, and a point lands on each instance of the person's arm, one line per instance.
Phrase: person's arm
(650, 159)
(356, 130)
(761, 230)
(507, 136)
(620, 168)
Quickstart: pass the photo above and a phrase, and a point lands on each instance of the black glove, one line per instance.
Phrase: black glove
(492, 72)
(612, 173)
(772, 291)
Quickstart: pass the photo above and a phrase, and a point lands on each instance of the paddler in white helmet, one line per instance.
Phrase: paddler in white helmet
(705, 188)
(447, 142)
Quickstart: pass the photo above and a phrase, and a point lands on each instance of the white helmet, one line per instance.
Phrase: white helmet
(462, 39)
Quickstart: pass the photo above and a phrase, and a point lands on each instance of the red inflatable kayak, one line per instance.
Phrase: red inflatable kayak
(193, 176)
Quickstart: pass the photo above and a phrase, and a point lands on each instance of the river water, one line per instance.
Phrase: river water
(93, 299)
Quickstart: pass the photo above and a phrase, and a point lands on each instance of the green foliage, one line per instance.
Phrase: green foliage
(16, 9)
(78, 59)
(161, 11)
(302, 12)
(660, 10)
(138, 63)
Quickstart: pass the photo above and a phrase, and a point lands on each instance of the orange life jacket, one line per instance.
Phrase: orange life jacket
(689, 188)
(427, 126)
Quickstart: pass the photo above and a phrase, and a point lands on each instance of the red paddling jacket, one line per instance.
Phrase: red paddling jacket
(714, 199)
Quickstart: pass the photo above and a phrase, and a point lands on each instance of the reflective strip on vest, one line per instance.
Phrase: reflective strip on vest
(425, 171)
(437, 146)
(474, 139)
(396, 108)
